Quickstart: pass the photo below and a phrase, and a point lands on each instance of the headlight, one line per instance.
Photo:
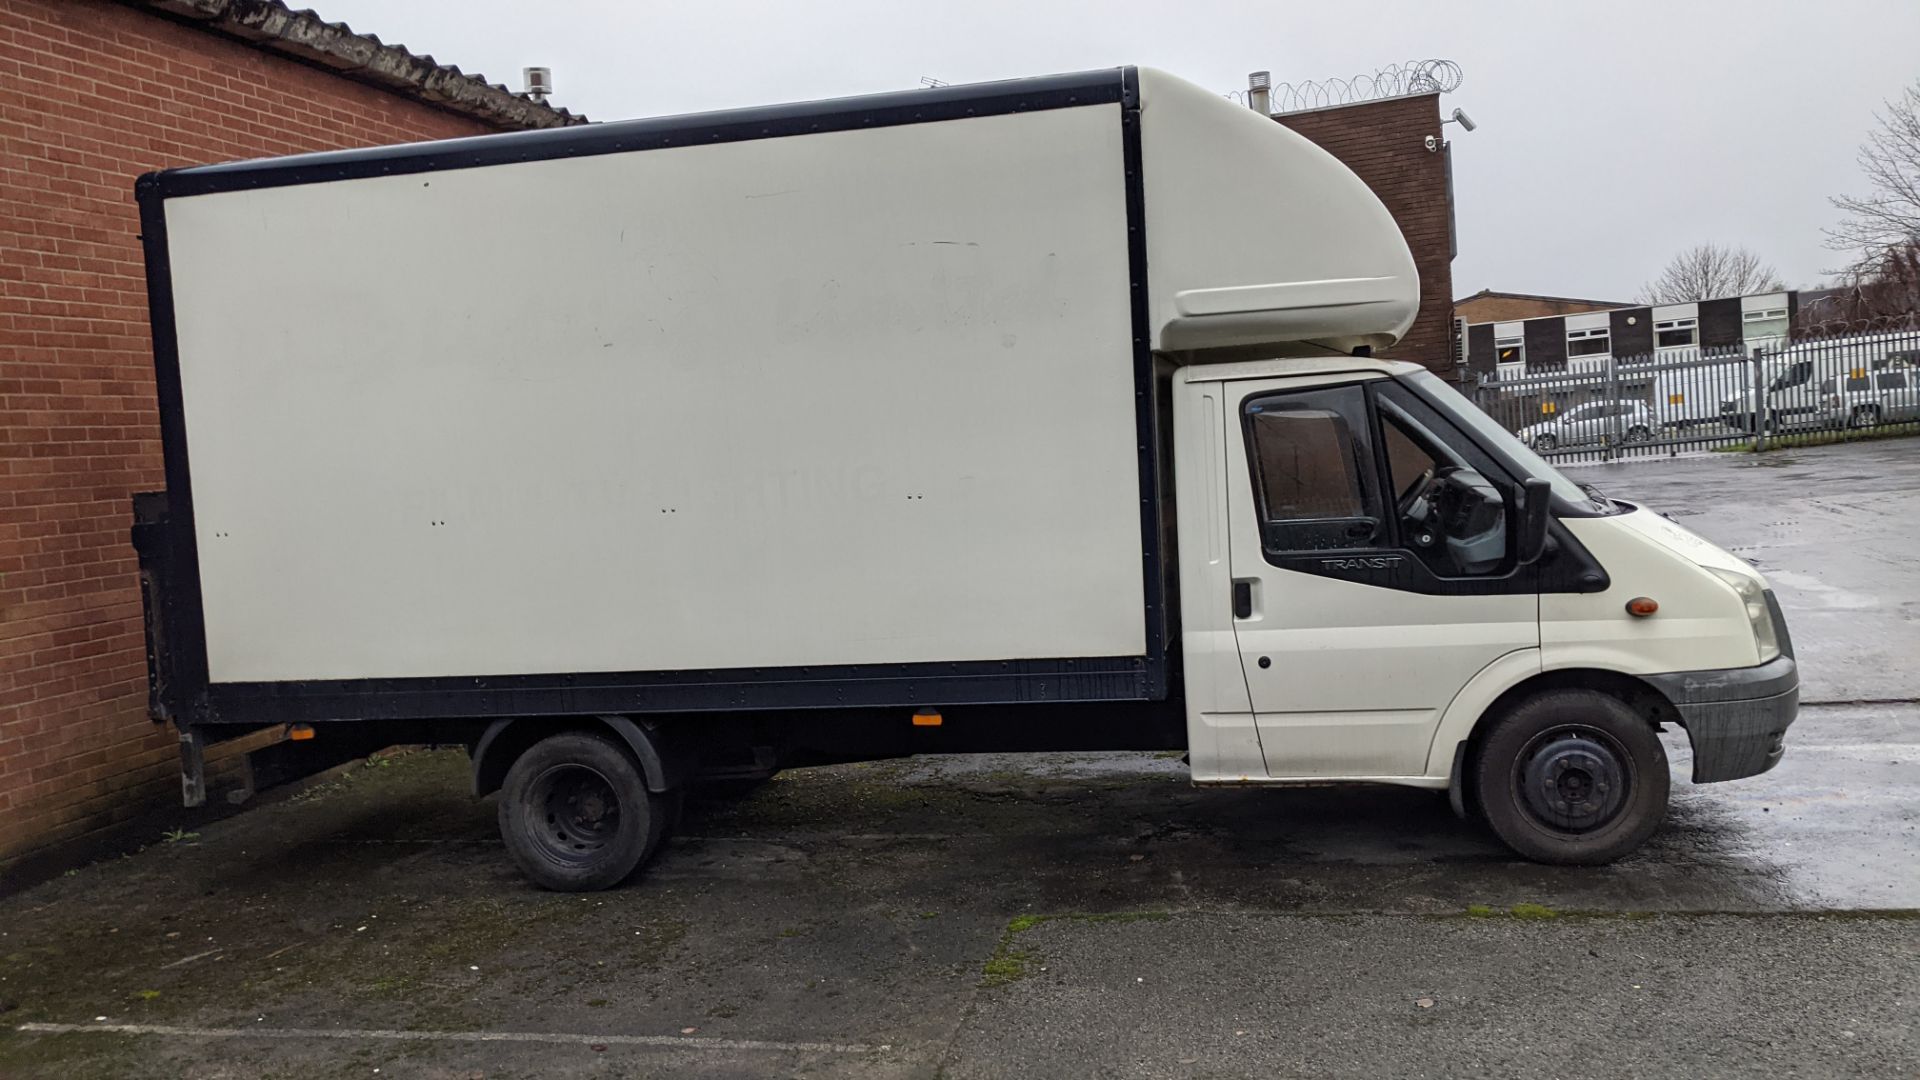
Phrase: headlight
(1756, 600)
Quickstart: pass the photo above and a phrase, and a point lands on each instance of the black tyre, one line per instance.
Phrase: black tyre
(1572, 777)
(1638, 433)
(1545, 442)
(1865, 416)
(576, 814)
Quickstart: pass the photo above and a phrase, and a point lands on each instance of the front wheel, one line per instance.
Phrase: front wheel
(1572, 777)
(1545, 442)
(576, 814)
(1638, 433)
(1865, 416)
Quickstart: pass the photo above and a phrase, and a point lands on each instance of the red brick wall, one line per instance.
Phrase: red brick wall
(91, 95)
(1383, 142)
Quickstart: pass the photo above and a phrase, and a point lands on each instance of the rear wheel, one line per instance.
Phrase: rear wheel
(1865, 416)
(576, 814)
(1545, 442)
(1572, 777)
(1638, 433)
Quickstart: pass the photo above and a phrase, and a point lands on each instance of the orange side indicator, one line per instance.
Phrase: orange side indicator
(927, 718)
(299, 732)
(1642, 606)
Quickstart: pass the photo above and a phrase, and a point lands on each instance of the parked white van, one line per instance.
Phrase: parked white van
(1036, 415)
(1796, 379)
(1864, 399)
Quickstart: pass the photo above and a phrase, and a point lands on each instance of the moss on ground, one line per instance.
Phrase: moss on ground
(1010, 961)
(1825, 438)
(1517, 911)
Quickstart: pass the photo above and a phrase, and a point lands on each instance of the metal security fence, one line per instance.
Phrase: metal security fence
(1605, 408)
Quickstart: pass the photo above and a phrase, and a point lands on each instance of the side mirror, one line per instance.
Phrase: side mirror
(1536, 510)
(1473, 519)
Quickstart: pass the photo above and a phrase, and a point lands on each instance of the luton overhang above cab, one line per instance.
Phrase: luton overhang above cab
(1258, 238)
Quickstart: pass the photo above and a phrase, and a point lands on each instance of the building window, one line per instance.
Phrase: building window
(1595, 342)
(1676, 334)
(1764, 314)
(1510, 353)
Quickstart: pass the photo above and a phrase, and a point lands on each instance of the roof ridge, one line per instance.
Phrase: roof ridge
(272, 26)
(1485, 293)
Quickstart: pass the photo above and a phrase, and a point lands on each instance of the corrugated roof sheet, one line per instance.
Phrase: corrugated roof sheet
(273, 26)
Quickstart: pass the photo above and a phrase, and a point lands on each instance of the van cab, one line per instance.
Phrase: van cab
(1379, 583)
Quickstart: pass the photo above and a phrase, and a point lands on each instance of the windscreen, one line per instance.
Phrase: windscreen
(1491, 436)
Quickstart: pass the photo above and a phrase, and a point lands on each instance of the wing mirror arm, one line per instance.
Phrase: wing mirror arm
(1536, 511)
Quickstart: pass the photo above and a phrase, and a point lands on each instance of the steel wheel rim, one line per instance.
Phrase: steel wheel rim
(577, 813)
(1573, 780)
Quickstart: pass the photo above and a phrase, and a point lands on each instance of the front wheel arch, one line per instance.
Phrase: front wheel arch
(1638, 695)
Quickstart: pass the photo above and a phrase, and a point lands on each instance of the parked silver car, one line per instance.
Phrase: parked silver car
(1594, 422)
(1868, 399)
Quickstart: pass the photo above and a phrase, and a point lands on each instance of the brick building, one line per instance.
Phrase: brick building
(1488, 306)
(92, 94)
(1385, 142)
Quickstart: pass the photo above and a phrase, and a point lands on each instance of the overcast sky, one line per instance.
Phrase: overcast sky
(1610, 135)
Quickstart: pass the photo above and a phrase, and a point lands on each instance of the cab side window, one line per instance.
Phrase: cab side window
(1448, 514)
(1312, 470)
(1407, 463)
(1366, 482)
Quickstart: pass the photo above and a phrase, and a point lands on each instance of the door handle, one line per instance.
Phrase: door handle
(1243, 599)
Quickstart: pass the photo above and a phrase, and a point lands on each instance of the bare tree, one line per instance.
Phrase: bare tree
(1889, 218)
(1709, 271)
(1886, 296)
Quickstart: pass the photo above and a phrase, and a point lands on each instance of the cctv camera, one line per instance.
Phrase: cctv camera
(1466, 122)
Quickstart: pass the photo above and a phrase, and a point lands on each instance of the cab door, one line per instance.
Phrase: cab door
(1367, 588)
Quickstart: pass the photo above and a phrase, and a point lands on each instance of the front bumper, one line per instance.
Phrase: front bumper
(1737, 718)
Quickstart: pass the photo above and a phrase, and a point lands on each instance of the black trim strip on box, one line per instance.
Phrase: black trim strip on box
(1094, 679)
(1154, 565)
(1111, 86)
(183, 648)
(995, 682)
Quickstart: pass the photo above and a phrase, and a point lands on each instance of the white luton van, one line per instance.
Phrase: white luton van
(1034, 415)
